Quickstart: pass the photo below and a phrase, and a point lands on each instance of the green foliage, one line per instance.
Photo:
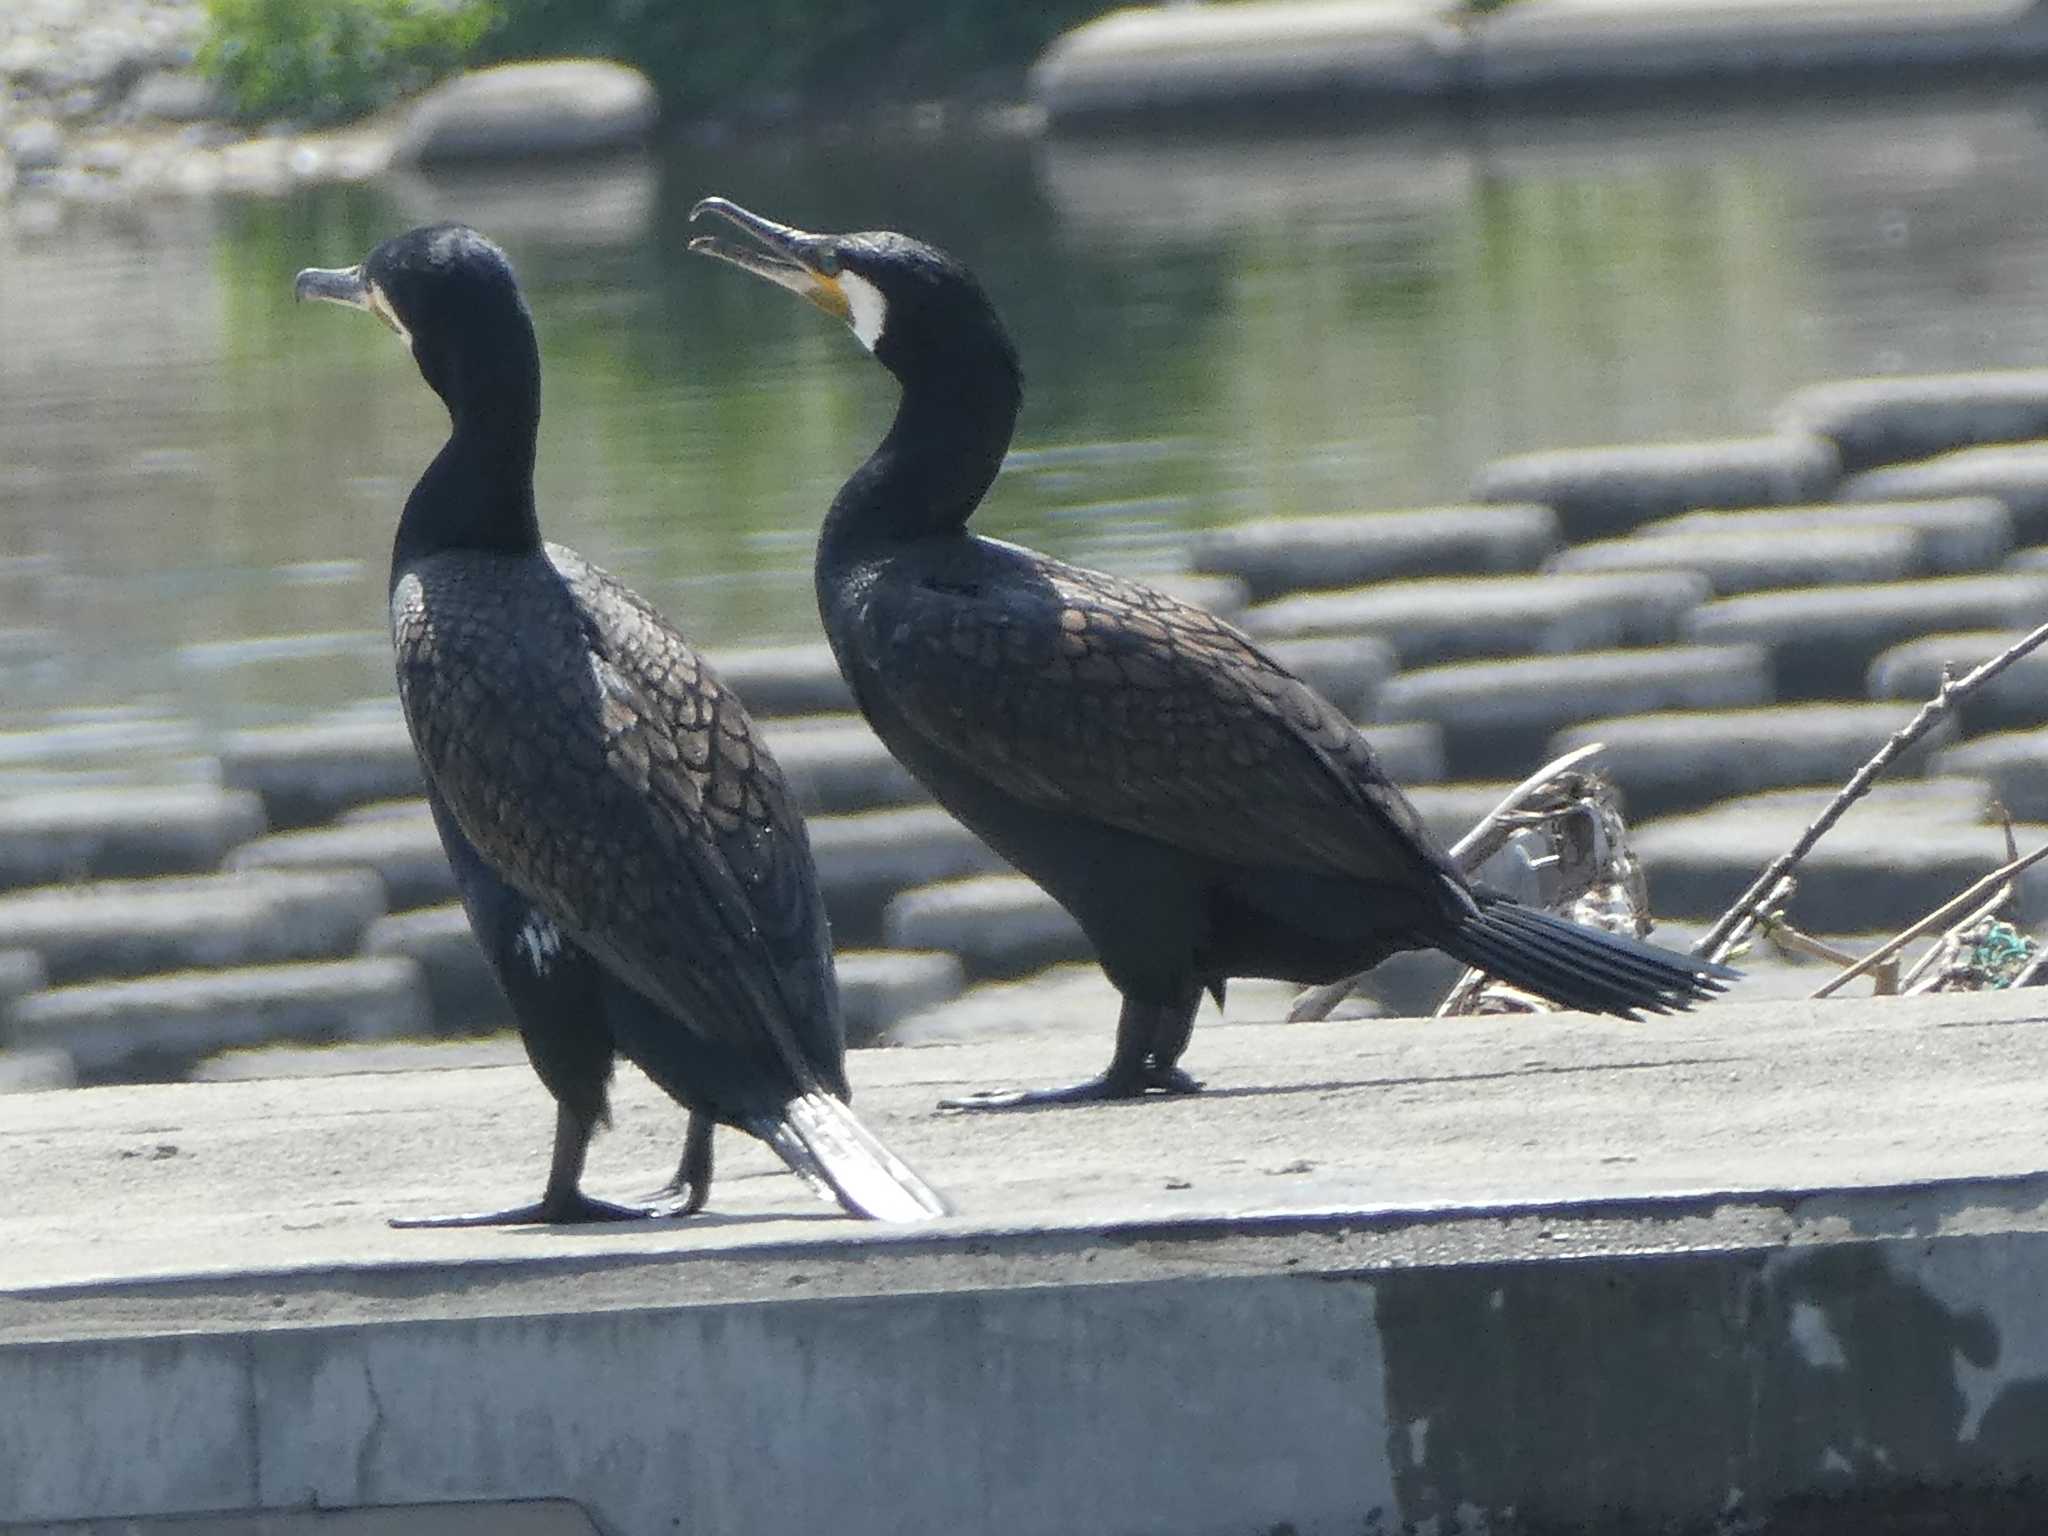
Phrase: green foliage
(327, 60)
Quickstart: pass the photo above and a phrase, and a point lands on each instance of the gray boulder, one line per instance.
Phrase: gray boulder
(1600, 491)
(1955, 535)
(461, 986)
(1429, 622)
(1274, 556)
(1822, 640)
(1737, 562)
(837, 765)
(134, 928)
(404, 852)
(1885, 420)
(1666, 763)
(1911, 673)
(878, 987)
(998, 925)
(1497, 716)
(865, 860)
(309, 774)
(2017, 475)
(525, 111)
(65, 835)
(155, 1028)
(776, 680)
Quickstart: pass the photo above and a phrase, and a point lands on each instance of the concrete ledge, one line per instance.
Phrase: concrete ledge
(1584, 1275)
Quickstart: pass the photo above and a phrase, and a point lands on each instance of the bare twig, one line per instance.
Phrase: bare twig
(1931, 921)
(1729, 928)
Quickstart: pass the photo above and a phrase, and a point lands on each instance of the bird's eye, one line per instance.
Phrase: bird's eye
(828, 262)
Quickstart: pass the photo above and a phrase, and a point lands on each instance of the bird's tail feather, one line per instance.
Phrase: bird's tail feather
(1577, 967)
(841, 1160)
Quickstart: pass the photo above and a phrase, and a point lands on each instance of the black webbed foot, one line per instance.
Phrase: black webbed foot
(1110, 1087)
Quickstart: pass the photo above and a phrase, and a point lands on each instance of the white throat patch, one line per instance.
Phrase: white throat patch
(869, 311)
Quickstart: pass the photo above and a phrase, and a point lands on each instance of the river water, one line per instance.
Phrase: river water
(198, 479)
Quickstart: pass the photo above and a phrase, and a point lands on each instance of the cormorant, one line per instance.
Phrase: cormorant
(1201, 812)
(625, 845)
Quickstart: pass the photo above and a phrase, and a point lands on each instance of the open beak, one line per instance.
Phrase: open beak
(786, 257)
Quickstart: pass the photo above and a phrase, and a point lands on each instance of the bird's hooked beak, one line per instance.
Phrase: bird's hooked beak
(803, 263)
(349, 286)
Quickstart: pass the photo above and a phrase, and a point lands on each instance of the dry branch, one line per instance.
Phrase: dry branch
(1731, 926)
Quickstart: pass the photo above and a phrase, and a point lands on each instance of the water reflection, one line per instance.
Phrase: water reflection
(1210, 329)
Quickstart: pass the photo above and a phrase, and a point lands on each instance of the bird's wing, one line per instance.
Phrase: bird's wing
(596, 768)
(1083, 694)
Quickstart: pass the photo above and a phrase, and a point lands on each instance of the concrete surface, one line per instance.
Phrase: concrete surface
(1534, 1274)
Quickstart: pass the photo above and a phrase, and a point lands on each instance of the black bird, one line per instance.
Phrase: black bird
(625, 845)
(1201, 812)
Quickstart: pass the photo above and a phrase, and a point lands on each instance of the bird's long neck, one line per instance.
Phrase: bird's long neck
(931, 471)
(478, 492)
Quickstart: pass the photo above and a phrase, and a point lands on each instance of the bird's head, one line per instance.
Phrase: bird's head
(924, 315)
(447, 291)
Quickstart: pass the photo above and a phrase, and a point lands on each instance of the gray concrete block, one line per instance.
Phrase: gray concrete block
(1914, 416)
(36, 1069)
(2031, 559)
(1429, 622)
(1410, 751)
(878, 987)
(1600, 491)
(1887, 864)
(2016, 475)
(21, 972)
(312, 773)
(1497, 716)
(1274, 556)
(1676, 762)
(1737, 562)
(865, 860)
(404, 852)
(776, 680)
(1200, 60)
(1956, 535)
(157, 1027)
(1822, 640)
(1345, 669)
(1577, 46)
(2016, 697)
(998, 925)
(836, 765)
(460, 983)
(134, 928)
(2014, 763)
(115, 742)
(528, 110)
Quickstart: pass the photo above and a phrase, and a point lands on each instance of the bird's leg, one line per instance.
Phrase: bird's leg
(684, 1195)
(1149, 1040)
(562, 1202)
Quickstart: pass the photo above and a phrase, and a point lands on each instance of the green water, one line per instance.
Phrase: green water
(198, 479)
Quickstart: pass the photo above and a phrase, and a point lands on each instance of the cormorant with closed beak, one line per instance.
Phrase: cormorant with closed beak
(625, 845)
